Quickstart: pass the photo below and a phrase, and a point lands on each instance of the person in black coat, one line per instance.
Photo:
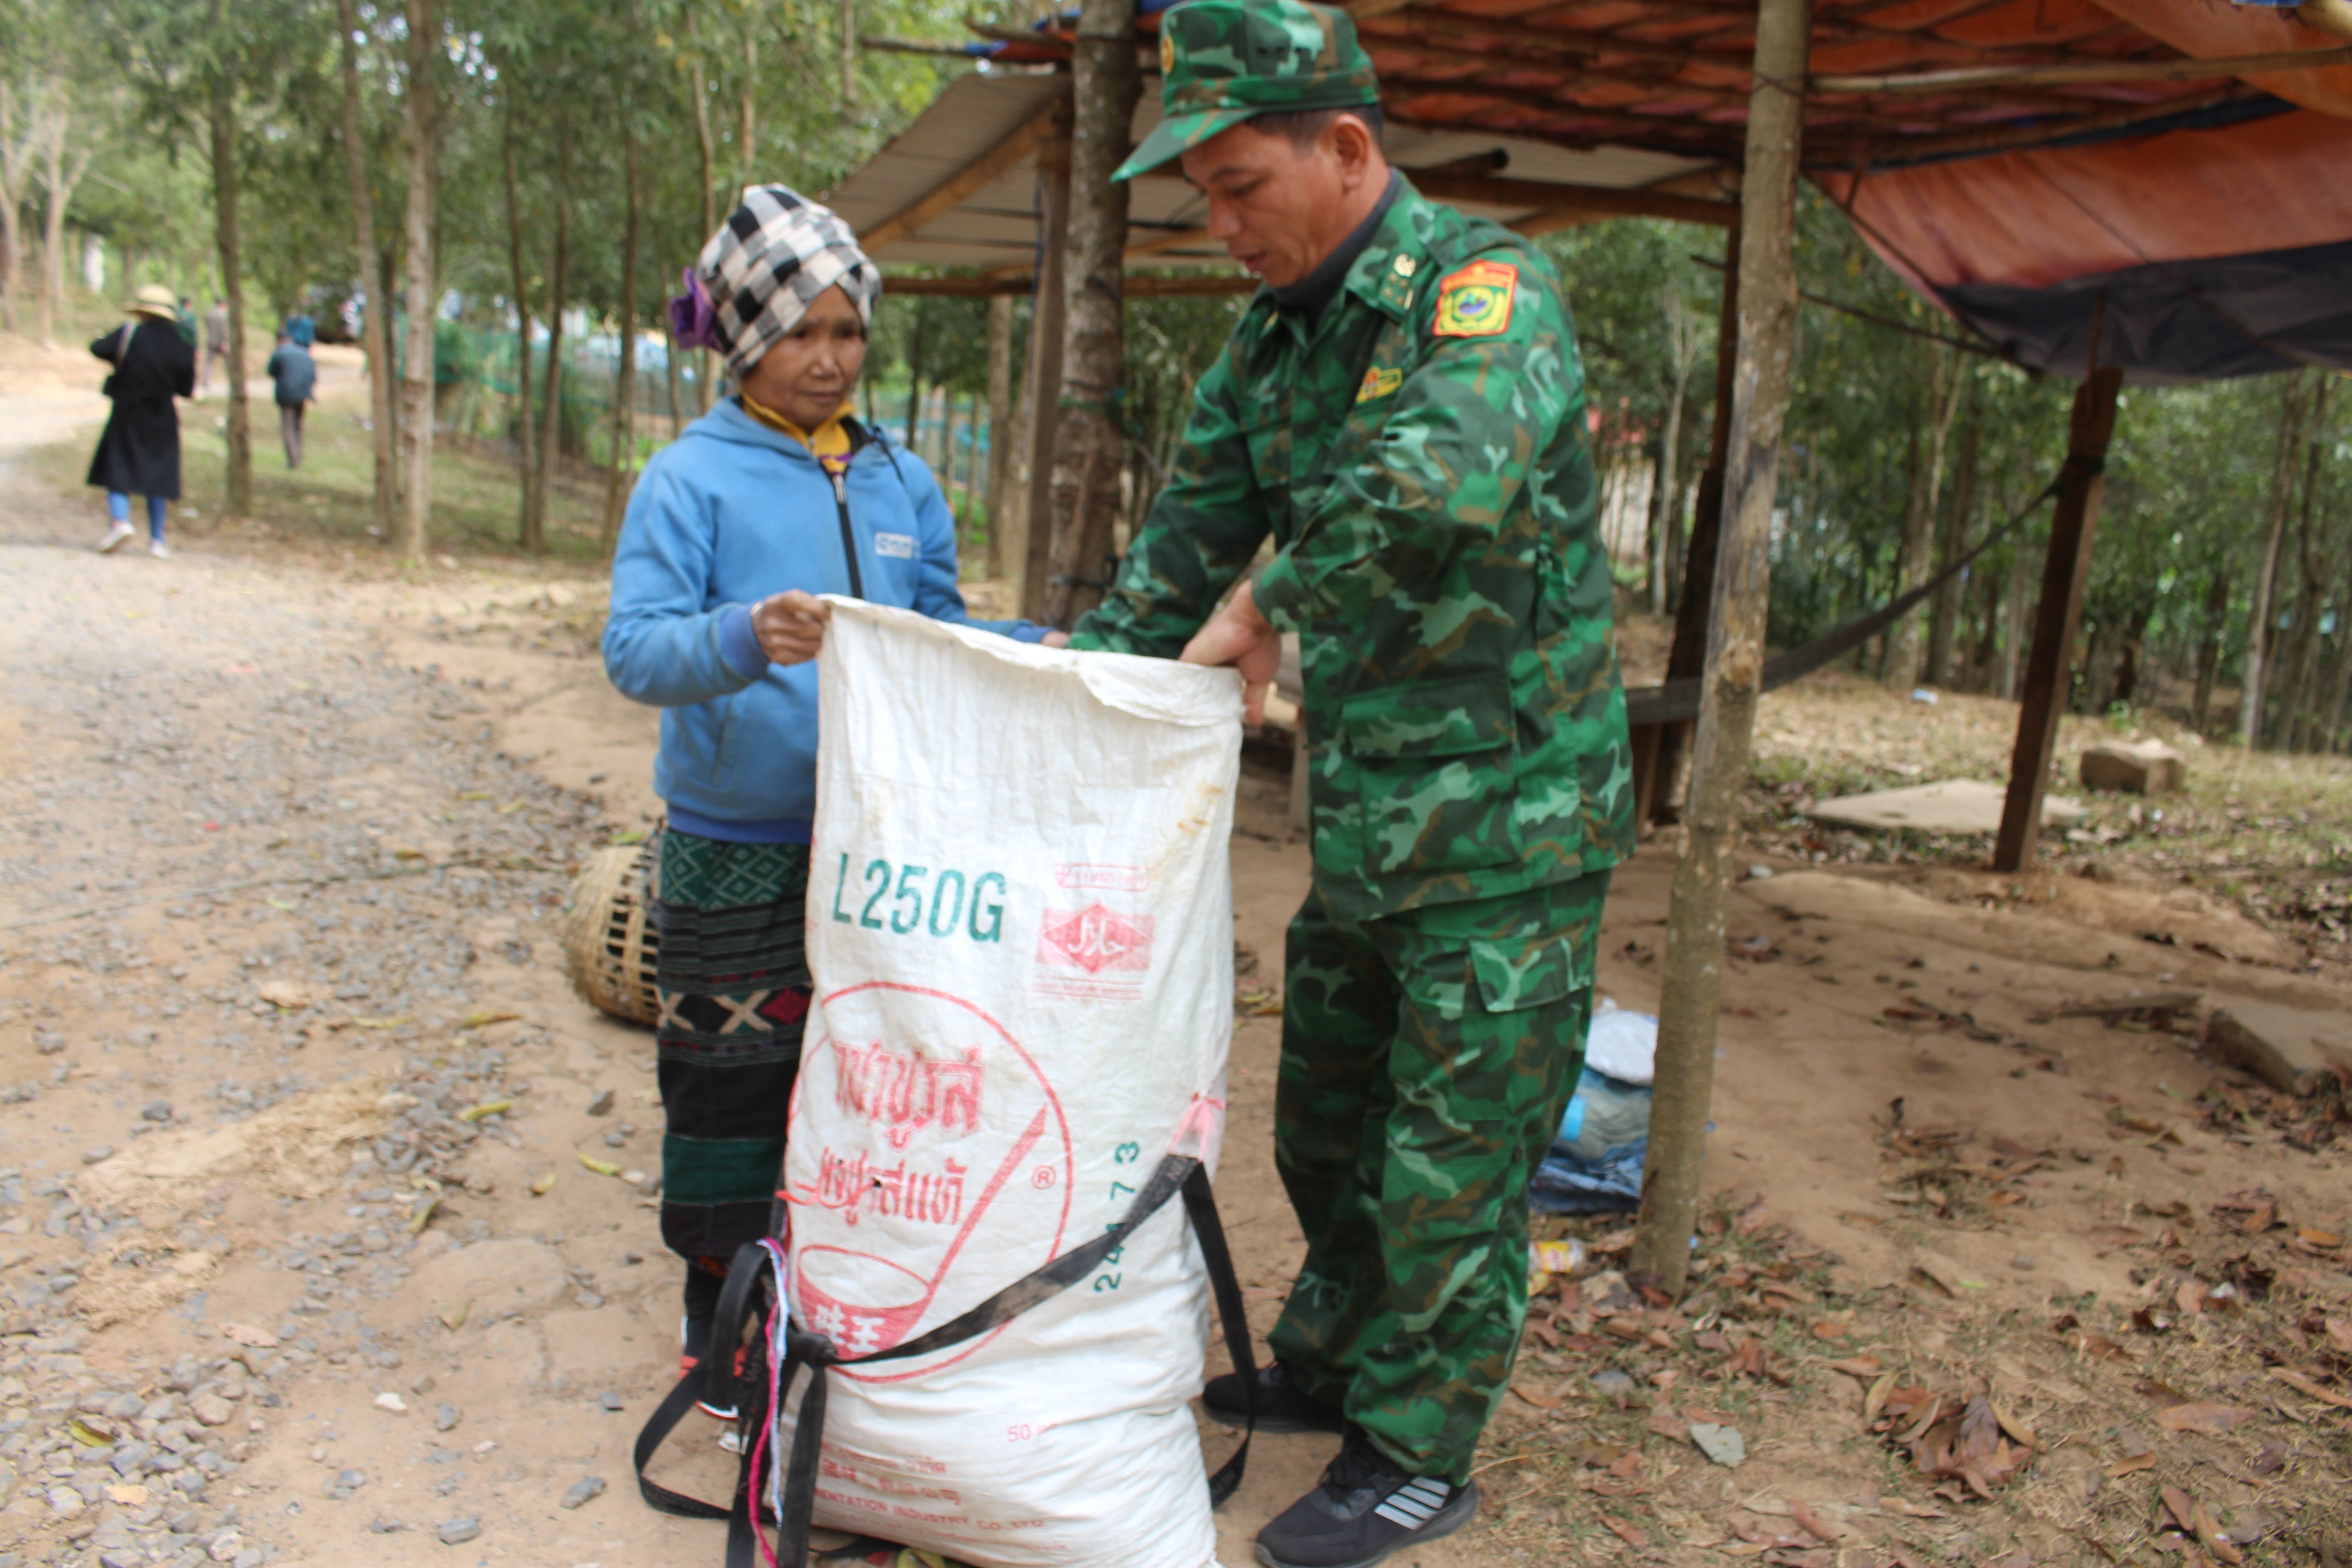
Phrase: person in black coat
(141, 449)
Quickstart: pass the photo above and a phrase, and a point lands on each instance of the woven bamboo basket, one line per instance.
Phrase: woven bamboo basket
(608, 935)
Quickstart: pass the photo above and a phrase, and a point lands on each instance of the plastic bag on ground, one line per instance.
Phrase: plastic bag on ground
(1019, 926)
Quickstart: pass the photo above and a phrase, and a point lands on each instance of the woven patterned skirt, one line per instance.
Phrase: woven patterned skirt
(734, 985)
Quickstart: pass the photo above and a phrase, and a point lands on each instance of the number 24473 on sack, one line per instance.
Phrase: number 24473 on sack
(1021, 930)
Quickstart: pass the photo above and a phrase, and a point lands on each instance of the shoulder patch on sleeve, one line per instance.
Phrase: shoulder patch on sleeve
(1475, 301)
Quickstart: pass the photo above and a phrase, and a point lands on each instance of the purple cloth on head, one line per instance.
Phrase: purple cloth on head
(691, 314)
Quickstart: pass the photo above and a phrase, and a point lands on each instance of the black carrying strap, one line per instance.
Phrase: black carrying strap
(747, 1277)
(743, 1303)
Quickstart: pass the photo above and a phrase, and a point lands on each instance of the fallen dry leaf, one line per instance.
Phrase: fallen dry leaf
(1914, 1510)
(2014, 1428)
(1539, 1400)
(1812, 1524)
(2302, 1384)
(2217, 1420)
(283, 993)
(2131, 1466)
(246, 1334)
(1625, 1533)
(2209, 1531)
(1864, 1367)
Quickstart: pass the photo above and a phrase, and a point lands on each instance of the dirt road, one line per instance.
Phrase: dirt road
(281, 856)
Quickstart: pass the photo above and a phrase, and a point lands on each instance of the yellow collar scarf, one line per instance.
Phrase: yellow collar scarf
(829, 442)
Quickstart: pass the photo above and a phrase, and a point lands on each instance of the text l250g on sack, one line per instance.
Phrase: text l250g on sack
(1020, 925)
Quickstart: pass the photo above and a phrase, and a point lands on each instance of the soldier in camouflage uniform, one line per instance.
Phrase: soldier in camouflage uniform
(1401, 410)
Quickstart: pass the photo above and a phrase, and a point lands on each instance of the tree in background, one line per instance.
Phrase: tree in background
(375, 286)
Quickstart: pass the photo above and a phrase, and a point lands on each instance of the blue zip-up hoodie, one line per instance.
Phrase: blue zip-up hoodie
(728, 513)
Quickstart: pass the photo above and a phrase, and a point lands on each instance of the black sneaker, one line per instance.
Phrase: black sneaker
(1282, 1404)
(1364, 1510)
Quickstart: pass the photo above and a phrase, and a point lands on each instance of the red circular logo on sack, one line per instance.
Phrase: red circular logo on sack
(935, 1131)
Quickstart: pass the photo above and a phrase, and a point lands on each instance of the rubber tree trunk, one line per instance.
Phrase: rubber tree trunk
(423, 296)
(2208, 645)
(1000, 424)
(223, 127)
(2291, 726)
(624, 455)
(1045, 393)
(550, 428)
(705, 363)
(1692, 978)
(1090, 448)
(1945, 383)
(526, 438)
(848, 54)
(374, 331)
(2258, 631)
(1944, 620)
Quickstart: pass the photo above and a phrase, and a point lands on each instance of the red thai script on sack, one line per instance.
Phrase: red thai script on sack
(883, 1482)
(860, 1185)
(1095, 938)
(902, 1092)
(1118, 878)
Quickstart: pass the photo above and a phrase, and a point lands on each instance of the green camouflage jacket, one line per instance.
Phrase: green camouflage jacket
(1419, 458)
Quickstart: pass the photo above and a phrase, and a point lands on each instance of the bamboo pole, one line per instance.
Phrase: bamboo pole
(2086, 75)
(1692, 975)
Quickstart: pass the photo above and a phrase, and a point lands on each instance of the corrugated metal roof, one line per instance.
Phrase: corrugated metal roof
(996, 226)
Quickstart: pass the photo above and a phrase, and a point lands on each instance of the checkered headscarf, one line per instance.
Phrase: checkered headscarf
(768, 262)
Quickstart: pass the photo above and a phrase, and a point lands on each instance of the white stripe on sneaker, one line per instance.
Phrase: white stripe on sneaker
(1414, 1503)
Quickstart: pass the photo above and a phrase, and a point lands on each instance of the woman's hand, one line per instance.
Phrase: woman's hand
(1055, 639)
(1238, 636)
(790, 625)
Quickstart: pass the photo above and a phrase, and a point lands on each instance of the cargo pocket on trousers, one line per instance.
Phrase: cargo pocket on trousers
(1514, 973)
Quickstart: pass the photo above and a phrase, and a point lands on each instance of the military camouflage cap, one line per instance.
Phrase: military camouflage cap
(1221, 61)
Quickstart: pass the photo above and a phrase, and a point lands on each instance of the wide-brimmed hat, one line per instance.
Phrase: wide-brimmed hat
(154, 299)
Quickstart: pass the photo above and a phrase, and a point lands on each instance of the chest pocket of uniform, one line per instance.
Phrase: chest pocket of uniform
(1425, 779)
(1267, 432)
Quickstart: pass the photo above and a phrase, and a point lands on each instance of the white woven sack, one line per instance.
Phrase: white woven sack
(1021, 930)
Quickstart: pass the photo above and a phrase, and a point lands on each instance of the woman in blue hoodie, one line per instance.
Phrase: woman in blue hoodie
(775, 495)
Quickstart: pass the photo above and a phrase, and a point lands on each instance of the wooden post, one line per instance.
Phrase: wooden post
(2058, 616)
(1046, 319)
(1692, 973)
(1657, 757)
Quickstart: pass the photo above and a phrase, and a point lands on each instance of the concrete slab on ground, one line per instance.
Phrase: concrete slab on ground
(2290, 1048)
(1955, 806)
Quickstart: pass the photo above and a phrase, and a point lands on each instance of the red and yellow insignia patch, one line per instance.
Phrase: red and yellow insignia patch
(1476, 302)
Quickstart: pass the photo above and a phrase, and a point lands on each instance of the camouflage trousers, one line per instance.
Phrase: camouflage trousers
(734, 983)
(1426, 1059)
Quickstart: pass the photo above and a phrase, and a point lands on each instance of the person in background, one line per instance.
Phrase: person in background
(1401, 411)
(139, 451)
(295, 375)
(301, 329)
(775, 495)
(215, 344)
